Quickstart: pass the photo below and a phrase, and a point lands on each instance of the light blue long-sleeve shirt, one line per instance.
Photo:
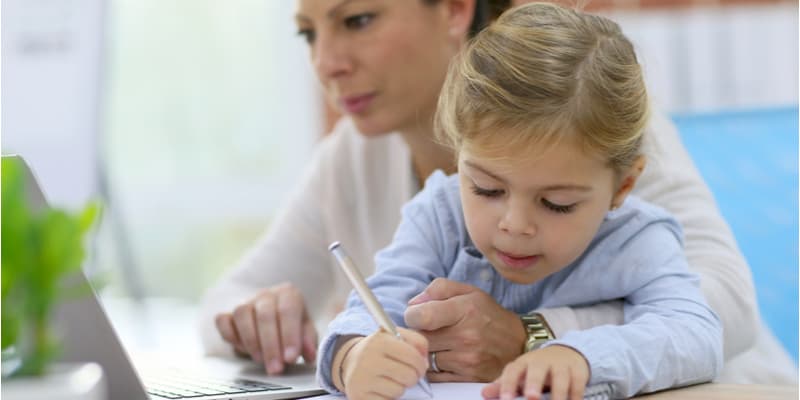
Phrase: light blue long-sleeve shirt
(670, 336)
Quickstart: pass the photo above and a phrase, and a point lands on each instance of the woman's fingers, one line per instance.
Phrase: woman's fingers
(273, 327)
(268, 325)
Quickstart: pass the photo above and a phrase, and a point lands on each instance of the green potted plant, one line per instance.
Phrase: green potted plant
(41, 248)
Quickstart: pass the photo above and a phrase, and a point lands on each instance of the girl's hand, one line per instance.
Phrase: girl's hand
(382, 366)
(561, 368)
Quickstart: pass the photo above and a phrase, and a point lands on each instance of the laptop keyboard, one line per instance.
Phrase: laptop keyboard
(173, 384)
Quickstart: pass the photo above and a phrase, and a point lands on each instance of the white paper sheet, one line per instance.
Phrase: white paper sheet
(473, 391)
(440, 391)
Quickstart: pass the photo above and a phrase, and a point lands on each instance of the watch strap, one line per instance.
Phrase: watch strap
(537, 330)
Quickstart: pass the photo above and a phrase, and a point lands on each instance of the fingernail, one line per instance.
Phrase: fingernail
(290, 354)
(275, 366)
(419, 299)
(506, 396)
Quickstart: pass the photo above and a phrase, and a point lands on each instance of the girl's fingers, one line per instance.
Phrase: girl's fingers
(510, 379)
(412, 350)
(559, 384)
(534, 381)
(577, 385)
(384, 368)
(491, 390)
(416, 340)
(402, 373)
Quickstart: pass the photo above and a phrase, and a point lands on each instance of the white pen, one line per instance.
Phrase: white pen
(369, 300)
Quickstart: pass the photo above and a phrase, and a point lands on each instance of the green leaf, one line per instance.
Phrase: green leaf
(39, 251)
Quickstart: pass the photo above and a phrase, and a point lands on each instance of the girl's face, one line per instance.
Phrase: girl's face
(383, 62)
(533, 216)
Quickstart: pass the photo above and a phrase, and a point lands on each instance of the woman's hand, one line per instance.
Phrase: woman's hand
(272, 328)
(381, 365)
(472, 335)
(561, 368)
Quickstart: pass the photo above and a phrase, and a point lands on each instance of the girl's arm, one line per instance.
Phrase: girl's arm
(671, 181)
(415, 257)
(670, 336)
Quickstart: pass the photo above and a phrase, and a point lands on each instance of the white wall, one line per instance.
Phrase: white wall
(211, 116)
(699, 59)
(51, 91)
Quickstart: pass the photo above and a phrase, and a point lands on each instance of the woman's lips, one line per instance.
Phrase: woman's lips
(517, 262)
(356, 104)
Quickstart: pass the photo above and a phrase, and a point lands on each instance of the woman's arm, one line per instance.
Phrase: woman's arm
(417, 255)
(671, 181)
(285, 266)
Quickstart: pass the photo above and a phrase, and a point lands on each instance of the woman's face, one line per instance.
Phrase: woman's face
(382, 62)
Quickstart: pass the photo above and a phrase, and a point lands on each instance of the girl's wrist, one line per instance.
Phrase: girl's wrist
(343, 346)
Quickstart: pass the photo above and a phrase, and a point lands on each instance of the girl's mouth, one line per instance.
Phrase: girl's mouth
(517, 262)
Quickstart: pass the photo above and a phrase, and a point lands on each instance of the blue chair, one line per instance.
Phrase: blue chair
(749, 159)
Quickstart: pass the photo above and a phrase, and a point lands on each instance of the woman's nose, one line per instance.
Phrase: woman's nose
(331, 58)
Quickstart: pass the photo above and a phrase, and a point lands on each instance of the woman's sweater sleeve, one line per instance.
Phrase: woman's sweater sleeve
(292, 250)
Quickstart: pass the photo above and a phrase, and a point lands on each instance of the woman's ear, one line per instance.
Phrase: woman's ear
(459, 14)
(628, 181)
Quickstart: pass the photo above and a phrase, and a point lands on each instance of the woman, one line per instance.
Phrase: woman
(382, 63)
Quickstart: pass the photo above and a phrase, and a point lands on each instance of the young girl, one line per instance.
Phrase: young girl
(545, 110)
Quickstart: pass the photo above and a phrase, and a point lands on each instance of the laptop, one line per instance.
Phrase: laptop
(88, 336)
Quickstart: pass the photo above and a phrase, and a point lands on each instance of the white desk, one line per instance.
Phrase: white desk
(171, 324)
(156, 325)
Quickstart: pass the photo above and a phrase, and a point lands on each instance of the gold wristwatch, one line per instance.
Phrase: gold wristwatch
(537, 330)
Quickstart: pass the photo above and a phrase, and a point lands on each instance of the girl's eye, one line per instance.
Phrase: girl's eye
(358, 21)
(559, 208)
(307, 34)
(486, 192)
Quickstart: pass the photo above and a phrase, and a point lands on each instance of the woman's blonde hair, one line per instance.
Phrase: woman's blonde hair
(541, 72)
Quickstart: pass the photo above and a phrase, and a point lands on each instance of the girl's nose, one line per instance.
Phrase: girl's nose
(516, 221)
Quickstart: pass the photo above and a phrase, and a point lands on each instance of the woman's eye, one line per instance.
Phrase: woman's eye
(358, 21)
(486, 192)
(307, 34)
(559, 208)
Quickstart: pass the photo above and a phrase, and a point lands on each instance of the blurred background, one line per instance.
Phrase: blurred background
(191, 119)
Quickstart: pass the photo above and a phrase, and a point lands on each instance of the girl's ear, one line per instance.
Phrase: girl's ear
(628, 181)
(459, 14)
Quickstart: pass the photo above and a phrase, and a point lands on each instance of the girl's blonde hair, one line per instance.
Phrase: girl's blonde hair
(539, 73)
